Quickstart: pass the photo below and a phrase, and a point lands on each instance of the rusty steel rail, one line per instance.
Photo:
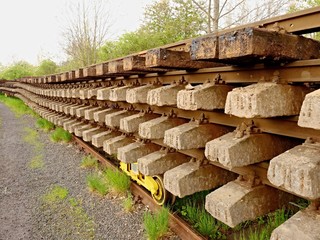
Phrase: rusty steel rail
(177, 224)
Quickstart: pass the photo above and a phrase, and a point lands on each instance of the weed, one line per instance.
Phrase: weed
(45, 125)
(17, 106)
(156, 225)
(59, 134)
(36, 162)
(128, 203)
(57, 193)
(192, 209)
(119, 181)
(89, 162)
(74, 202)
(263, 232)
(97, 183)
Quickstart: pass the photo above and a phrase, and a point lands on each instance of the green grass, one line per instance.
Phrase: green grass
(119, 181)
(45, 125)
(89, 162)
(263, 230)
(36, 162)
(192, 209)
(16, 105)
(57, 193)
(156, 225)
(97, 183)
(128, 203)
(59, 134)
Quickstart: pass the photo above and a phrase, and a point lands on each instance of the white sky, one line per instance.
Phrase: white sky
(31, 29)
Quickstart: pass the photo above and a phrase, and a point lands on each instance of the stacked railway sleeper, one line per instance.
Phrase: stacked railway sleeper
(238, 112)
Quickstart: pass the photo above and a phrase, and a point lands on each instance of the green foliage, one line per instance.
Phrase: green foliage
(17, 70)
(97, 183)
(128, 203)
(59, 134)
(45, 125)
(57, 193)
(16, 105)
(264, 229)
(89, 162)
(118, 180)
(156, 225)
(192, 209)
(46, 67)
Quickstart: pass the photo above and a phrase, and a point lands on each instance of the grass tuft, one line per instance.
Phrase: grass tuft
(57, 193)
(36, 162)
(128, 203)
(89, 162)
(17, 106)
(156, 225)
(59, 134)
(119, 181)
(45, 125)
(97, 183)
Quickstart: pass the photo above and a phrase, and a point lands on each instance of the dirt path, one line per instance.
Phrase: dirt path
(32, 168)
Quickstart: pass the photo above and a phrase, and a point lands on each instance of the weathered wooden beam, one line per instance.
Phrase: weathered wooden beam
(79, 73)
(65, 76)
(89, 71)
(205, 48)
(101, 69)
(115, 66)
(254, 44)
(72, 75)
(164, 58)
(138, 63)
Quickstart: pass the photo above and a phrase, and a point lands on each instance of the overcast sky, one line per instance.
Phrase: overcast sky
(31, 29)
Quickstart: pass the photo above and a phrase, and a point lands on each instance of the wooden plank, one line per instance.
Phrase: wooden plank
(64, 76)
(101, 69)
(137, 63)
(79, 73)
(72, 75)
(204, 48)
(252, 45)
(89, 71)
(164, 58)
(115, 66)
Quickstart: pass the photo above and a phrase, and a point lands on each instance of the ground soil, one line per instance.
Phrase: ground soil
(24, 214)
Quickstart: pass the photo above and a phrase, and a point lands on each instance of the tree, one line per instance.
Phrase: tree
(46, 67)
(86, 32)
(17, 70)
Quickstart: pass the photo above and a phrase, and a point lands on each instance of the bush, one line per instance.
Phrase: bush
(45, 125)
(119, 181)
(89, 162)
(156, 225)
(97, 183)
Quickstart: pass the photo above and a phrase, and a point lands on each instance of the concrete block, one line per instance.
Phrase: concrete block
(165, 95)
(93, 92)
(67, 108)
(310, 111)
(155, 128)
(235, 202)
(160, 161)
(113, 119)
(192, 135)
(78, 130)
(191, 177)
(208, 96)
(104, 93)
(72, 126)
(139, 94)
(75, 93)
(265, 100)
(84, 93)
(88, 114)
(119, 93)
(111, 145)
(298, 170)
(98, 139)
(67, 124)
(130, 153)
(100, 116)
(232, 151)
(72, 110)
(131, 124)
(80, 111)
(303, 225)
(87, 134)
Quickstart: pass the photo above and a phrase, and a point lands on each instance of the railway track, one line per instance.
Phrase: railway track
(237, 112)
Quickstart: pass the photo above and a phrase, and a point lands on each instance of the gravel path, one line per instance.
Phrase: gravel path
(24, 214)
